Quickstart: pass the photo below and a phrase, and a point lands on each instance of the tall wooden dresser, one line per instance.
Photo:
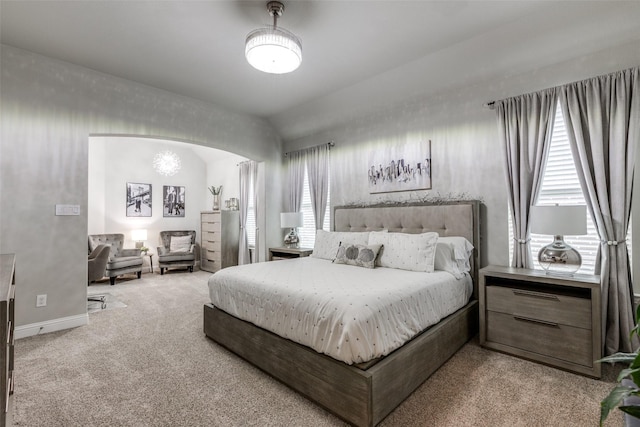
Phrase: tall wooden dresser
(7, 311)
(220, 231)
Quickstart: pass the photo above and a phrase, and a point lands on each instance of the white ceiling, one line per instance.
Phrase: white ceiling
(357, 55)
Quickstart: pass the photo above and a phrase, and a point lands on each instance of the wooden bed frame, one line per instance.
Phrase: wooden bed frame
(364, 395)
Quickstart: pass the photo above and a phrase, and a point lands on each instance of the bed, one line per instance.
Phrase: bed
(362, 391)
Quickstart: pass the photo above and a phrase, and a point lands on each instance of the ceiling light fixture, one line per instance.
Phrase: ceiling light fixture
(271, 49)
(167, 163)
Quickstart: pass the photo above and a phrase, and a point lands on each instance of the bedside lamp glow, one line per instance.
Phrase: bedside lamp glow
(559, 257)
(291, 220)
(139, 236)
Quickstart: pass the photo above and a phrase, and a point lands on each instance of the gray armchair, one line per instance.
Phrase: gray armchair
(172, 256)
(98, 259)
(121, 261)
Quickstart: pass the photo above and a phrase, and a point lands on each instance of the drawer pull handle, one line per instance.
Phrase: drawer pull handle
(536, 295)
(541, 322)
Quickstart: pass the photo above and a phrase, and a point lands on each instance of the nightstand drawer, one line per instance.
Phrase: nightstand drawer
(540, 305)
(562, 342)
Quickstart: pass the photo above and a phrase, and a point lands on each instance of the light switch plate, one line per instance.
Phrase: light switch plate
(67, 209)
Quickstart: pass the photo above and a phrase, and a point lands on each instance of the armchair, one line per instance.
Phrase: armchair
(121, 261)
(98, 259)
(177, 250)
(97, 262)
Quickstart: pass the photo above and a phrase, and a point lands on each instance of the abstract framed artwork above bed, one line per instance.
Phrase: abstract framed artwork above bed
(361, 393)
(400, 167)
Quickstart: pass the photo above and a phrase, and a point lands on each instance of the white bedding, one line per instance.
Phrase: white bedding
(350, 313)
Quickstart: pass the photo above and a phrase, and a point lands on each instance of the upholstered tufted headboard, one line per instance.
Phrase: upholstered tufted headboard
(447, 219)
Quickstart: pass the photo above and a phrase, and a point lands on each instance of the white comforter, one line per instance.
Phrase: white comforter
(350, 313)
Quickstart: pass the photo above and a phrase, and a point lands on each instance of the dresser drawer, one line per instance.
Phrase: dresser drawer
(562, 342)
(211, 226)
(213, 255)
(211, 246)
(211, 217)
(211, 236)
(549, 307)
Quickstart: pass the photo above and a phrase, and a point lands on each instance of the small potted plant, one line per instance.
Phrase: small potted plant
(625, 394)
(216, 196)
(144, 250)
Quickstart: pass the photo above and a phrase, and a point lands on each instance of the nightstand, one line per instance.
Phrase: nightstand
(286, 253)
(555, 320)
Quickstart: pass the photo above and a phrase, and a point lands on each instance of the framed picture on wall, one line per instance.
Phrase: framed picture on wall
(400, 167)
(173, 201)
(138, 199)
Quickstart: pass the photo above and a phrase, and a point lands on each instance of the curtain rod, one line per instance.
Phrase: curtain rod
(492, 104)
(330, 144)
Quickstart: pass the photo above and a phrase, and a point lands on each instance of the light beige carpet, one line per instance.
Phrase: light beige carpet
(149, 364)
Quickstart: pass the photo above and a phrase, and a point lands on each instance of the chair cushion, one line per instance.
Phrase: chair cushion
(177, 256)
(180, 244)
(124, 261)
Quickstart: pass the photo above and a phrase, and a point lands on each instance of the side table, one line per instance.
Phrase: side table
(546, 318)
(287, 253)
(150, 255)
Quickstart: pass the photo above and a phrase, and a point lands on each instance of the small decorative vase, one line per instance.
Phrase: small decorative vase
(216, 202)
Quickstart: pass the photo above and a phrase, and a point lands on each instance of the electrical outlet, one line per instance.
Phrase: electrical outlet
(41, 300)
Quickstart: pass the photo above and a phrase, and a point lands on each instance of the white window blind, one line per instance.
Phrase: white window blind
(307, 233)
(251, 220)
(560, 185)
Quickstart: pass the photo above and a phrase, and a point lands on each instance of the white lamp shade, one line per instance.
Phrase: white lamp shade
(139, 235)
(559, 220)
(291, 219)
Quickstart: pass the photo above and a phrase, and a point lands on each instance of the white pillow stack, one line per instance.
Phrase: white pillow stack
(414, 252)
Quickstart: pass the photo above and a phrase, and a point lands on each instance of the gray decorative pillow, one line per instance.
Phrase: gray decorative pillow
(358, 255)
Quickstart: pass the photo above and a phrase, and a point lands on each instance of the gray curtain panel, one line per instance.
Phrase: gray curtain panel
(318, 172)
(296, 167)
(603, 126)
(525, 124)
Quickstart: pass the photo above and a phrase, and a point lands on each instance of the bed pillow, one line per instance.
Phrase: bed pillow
(358, 255)
(180, 244)
(413, 252)
(452, 255)
(327, 242)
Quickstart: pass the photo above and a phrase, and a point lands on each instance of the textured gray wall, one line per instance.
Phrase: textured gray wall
(49, 108)
(467, 158)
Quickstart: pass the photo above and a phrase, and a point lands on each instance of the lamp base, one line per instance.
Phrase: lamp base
(139, 245)
(559, 258)
(292, 240)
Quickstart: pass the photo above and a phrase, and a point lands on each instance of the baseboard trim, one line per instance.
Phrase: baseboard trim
(51, 326)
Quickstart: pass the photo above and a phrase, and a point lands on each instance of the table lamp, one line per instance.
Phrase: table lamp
(139, 236)
(291, 220)
(559, 257)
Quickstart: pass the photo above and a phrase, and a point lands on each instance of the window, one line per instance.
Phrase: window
(307, 233)
(560, 185)
(251, 221)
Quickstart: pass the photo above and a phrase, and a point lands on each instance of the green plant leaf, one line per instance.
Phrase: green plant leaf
(628, 372)
(619, 358)
(613, 399)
